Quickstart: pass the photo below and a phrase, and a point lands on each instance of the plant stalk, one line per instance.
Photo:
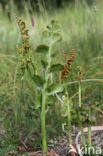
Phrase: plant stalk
(82, 134)
(43, 120)
(80, 95)
(69, 123)
(68, 114)
(80, 105)
(43, 104)
(89, 130)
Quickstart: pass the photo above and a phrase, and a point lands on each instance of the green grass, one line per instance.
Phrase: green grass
(82, 29)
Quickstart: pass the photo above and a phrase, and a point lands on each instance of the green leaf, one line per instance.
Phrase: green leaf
(55, 25)
(54, 55)
(55, 88)
(49, 27)
(56, 67)
(51, 100)
(44, 64)
(45, 34)
(42, 49)
(38, 80)
(57, 37)
(38, 101)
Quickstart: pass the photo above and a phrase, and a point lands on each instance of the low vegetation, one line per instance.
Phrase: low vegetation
(50, 76)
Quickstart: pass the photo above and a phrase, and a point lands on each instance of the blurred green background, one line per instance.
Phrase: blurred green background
(81, 28)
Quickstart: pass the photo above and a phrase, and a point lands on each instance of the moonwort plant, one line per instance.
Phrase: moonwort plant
(84, 117)
(45, 88)
(25, 51)
(51, 35)
(67, 100)
(80, 111)
(25, 59)
(71, 112)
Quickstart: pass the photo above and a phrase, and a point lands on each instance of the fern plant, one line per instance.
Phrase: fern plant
(80, 106)
(44, 87)
(65, 76)
(51, 35)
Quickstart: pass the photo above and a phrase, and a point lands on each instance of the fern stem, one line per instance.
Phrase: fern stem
(43, 120)
(89, 129)
(80, 95)
(69, 123)
(80, 105)
(43, 106)
(67, 102)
